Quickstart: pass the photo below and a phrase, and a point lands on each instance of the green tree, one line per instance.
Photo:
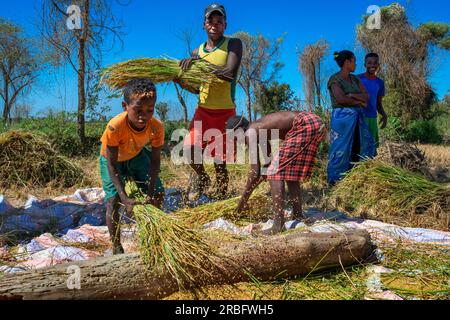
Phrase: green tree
(406, 56)
(162, 109)
(18, 65)
(275, 97)
(436, 33)
(260, 65)
(80, 47)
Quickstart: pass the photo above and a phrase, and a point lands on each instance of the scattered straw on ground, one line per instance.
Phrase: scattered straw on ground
(27, 159)
(439, 161)
(419, 270)
(259, 210)
(437, 155)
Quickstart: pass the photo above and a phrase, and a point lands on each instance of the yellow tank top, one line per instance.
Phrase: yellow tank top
(217, 95)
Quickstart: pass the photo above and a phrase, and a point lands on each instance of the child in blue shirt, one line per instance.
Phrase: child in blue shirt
(376, 90)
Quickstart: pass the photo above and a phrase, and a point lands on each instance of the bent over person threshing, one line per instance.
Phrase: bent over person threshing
(302, 133)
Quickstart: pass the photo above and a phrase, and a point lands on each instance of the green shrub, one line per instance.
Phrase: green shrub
(3, 127)
(61, 130)
(170, 127)
(424, 131)
(443, 125)
(393, 130)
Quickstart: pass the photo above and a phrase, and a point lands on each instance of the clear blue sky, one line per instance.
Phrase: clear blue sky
(152, 26)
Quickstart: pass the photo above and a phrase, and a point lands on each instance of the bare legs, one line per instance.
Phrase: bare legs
(113, 220)
(222, 180)
(276, 188)
(278, 200)
(113, 223)
(296, 199)
(202, 180)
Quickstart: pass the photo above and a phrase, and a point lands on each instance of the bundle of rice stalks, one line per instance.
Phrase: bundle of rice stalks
(259, 210)
(386, 191)
(167, 244)
(406, 156)
(29, 160)
(160, 70)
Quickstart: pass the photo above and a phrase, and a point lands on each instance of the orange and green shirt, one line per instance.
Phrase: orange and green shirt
(119, 133)
(217, 95)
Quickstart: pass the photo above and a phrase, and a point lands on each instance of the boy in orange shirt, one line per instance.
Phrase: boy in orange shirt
(124, 154)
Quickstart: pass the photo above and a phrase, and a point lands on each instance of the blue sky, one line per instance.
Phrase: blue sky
(152, 28)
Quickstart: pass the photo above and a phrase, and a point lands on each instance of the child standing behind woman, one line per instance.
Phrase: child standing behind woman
(351, 140)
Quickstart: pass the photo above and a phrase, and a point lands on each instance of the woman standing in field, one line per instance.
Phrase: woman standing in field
(351, 140)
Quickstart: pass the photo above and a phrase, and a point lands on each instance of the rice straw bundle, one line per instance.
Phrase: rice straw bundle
(259, 209)
(166, 243)
(159, 70)
(28, 159)
(387, 190)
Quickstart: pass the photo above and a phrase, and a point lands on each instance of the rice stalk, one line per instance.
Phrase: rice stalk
(386, 190)
(259, 210)
(167, 244)
(159, 70)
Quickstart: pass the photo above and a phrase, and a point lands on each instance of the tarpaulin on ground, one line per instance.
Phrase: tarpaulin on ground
(59, 215)
(324, 222)
(55, 215)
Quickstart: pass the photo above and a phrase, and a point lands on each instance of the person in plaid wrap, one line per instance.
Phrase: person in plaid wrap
(301, 133)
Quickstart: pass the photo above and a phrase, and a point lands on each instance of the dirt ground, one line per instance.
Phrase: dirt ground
(438, 160)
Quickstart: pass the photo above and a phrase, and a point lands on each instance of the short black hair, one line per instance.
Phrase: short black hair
(238, 122)
(341, 56)
(371, 55)
(138, 86)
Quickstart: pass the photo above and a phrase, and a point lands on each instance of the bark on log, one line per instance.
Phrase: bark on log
(126, 277)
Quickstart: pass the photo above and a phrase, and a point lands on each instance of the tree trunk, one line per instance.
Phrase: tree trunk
(183, 104)
(82, 74)
(125, 276)
(316, 85)
(319, 89)
(6, 97)
(249, 103)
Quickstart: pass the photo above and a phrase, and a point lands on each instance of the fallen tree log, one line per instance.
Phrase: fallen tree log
(126, 277)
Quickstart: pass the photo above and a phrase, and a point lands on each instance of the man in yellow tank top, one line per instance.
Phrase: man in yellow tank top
(216, 102)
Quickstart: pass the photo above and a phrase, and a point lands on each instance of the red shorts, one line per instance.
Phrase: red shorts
(207, 126)
(295, 159)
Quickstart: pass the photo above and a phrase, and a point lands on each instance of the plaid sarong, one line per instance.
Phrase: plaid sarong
(295, 159)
